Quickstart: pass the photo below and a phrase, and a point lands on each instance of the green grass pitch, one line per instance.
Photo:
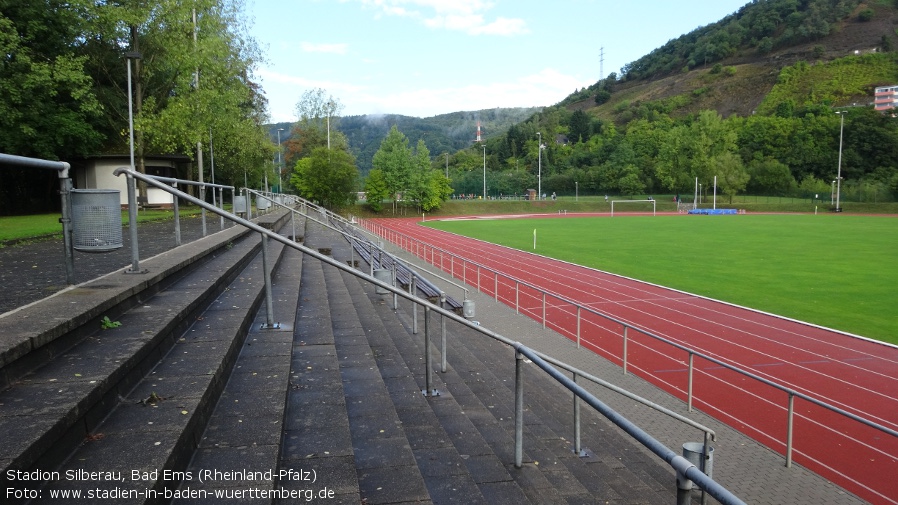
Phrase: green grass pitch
(838, 271)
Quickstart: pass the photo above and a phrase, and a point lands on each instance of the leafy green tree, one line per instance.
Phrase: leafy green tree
(579, 127)
(630, 183)
(770, 176)
(673, 167)
(602, 96)
(47, 105)
(327, 176)
(394, 159)
(376, 189)
(731, 174)
(438, 191)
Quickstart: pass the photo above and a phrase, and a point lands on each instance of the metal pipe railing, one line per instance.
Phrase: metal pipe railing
(352, 238)
(65, 190)
(684, 469)
(691, 353)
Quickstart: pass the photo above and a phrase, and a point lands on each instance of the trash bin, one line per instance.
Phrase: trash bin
(467, 309)
(262, 203)
(96, 220)
(383, 275)
(239, 204)
(692, 451)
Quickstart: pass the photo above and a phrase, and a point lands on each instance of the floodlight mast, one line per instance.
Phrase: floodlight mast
(841, 114)
(539, 174)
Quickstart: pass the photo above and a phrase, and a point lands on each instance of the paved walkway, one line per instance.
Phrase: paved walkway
(751, 471)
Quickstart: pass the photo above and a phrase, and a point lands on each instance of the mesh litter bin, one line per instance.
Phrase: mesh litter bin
(692, 451)
(96, 220)
(468, 309)
(383, 275)
(239, 204)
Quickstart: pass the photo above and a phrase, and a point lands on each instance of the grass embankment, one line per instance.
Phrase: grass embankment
(835, 271)
(16, 228)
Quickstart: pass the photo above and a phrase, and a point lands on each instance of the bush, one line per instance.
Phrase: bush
(865, 15)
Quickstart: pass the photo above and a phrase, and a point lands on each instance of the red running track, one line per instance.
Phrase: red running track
(851, 373)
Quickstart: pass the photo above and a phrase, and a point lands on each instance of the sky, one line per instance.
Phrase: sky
(424, 58)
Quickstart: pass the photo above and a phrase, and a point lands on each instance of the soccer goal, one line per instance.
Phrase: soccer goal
(654, 204)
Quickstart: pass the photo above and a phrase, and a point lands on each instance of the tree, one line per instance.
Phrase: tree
(629, 183)
(394, 159)
(438, 191)
(318, 116)
(579, 127)
(327, 176)
(47, 107)
(376, 189)
(731, 174)
(769, 176)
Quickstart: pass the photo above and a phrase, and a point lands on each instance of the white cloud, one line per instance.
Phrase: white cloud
(458, 15)
(324, 48)
(544, 88)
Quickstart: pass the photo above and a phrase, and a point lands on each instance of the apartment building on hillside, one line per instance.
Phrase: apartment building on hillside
(886, 98)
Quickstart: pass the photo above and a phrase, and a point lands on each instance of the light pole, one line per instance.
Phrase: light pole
(832, 193)
(576, 191)
(841, 114)
(484, 172)
(132, 190)
(330, 108)
(539, 174)
(280, 167)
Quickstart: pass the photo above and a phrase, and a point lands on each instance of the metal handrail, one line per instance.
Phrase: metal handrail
(687, 473)
(65, 191)
(352, 237)
(792, 394)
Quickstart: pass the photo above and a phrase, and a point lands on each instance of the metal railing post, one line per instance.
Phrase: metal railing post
(411, 291)
(689, 383)
(544, 310)
(269, 306)
(132, 226)
(428, 362)
(443, 332)
(177, 209)
(351, 250)
(496, 287)
(65, 193)
(577, 448)
(517, 297)
(518, 410)
(221, 206)
(395, 296)
(789, 430)
(578, 326)
(624, 352)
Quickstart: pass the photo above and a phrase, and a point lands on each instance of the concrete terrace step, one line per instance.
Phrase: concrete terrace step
(463, 439)
(245, 429)
(476, 409)
(68, 377)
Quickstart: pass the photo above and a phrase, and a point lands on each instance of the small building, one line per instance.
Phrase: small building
(886, 97)
(96, 172)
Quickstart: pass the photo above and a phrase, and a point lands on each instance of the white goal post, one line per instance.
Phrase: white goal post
(654, 204)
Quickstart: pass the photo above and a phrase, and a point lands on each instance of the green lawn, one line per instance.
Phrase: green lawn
(838, 271)
(41, 225)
